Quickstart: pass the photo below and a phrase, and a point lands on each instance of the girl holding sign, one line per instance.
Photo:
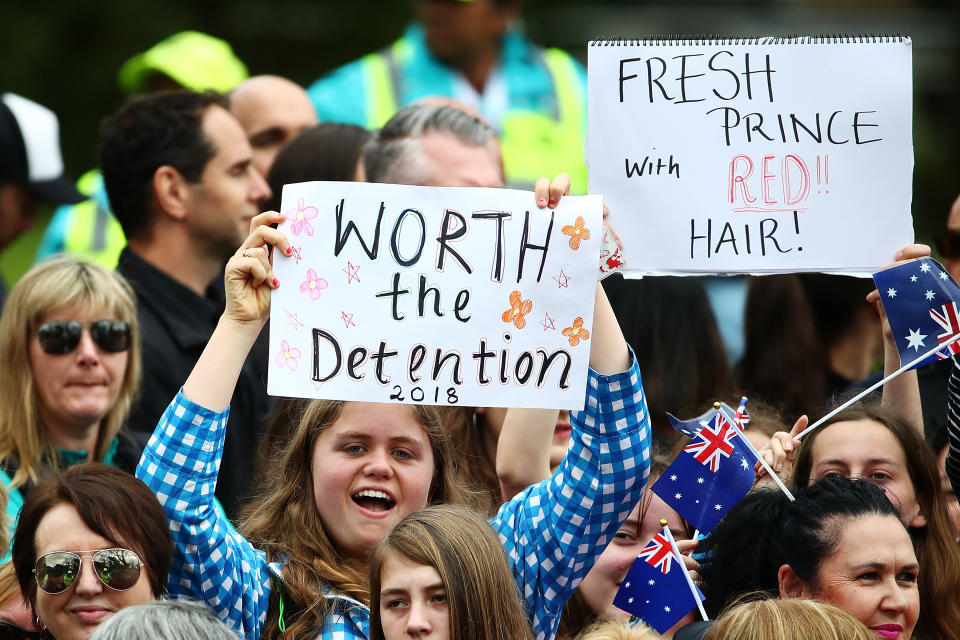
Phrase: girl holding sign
(353, 470)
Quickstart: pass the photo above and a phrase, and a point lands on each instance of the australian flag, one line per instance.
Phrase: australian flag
(711, 474)
(920, 299)
(655, 589)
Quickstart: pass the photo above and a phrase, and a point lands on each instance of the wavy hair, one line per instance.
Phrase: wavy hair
(484, 603)
(934, 544)
(285, 523)
(758, 617)
(63, 283)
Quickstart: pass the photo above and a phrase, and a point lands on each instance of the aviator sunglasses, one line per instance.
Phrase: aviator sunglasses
(118, 569)
(63, 336)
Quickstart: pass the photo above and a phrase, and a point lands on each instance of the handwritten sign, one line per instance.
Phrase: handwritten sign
(753, 156)
(447, 296)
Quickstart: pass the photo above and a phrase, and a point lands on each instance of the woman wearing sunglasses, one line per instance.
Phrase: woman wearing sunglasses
(70, 366)
(92, 541)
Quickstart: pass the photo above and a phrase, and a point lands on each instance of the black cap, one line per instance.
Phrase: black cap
(30, 150)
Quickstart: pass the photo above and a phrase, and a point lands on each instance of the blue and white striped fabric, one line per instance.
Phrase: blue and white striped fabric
(552, 532)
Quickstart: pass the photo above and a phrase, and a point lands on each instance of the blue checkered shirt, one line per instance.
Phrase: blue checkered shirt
(552, 532)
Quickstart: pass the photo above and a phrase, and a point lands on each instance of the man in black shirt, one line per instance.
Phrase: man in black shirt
(179, 173)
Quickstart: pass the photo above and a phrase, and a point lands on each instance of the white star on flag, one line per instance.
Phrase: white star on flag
(943, 275)
(743, 463)
(628, 585)
(667, 609)
(717, 507)
(913, 278)
(652, 582)
(924, 267)
(915, 339)
(891, 293)
(929, 295)
(630, 600)
(677, 496)
(699, 480)
(673, 477)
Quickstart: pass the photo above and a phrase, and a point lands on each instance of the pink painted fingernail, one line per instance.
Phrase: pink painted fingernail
(553, 202)
(276, 282)
(542, 202)
(288, 250)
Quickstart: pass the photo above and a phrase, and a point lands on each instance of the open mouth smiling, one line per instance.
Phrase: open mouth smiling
(374, 500)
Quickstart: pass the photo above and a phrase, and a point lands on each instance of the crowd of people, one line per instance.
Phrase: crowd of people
(154, 489)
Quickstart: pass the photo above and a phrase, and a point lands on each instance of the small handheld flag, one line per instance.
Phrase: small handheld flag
(711, 474)
(921, 302)
(656, 588)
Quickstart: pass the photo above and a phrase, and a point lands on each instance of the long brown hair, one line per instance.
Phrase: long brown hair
(285, 523)
(934, 544)
(459, 543)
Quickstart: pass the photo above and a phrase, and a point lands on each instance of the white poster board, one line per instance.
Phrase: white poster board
(434, 295)
(753, 156)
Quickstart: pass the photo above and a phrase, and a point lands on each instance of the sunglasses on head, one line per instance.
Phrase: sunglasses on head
(63, 336)
(10, 631)
(948, 243)
(118, 569)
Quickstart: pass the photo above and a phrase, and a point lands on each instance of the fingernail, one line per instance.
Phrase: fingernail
(288, 250)
(542, 202)
(276, 282)
(788, 446)
(898, 255)
(779, 468)
(553, 202)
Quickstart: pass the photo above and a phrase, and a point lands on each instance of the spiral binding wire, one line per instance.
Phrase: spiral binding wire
(718, 40)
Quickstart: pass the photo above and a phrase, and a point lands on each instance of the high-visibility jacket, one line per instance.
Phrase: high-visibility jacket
(540, 111)
(87, 229)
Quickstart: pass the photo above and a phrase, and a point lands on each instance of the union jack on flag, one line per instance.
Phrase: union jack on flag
(920, 299)
(712, 443)
(658, 553)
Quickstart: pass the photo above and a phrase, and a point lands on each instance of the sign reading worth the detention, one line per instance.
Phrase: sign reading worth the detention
(753, 156)
(448, 296)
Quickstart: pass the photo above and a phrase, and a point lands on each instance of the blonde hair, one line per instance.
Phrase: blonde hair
(459, 543)
(285, 523)
(63, 283)
(617, 630)
(760, 618)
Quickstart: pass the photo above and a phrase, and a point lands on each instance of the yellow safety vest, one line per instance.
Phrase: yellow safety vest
(92, 231)
(533, 144)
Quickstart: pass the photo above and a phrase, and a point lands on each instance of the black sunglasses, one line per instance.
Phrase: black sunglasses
(10, 631)
(118, 569)
(948, 243)
(63, 336)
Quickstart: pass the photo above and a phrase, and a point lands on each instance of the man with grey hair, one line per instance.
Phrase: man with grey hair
(435, 145)
(164, 620)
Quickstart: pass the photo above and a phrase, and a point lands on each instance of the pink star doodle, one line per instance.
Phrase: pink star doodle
(562, 280)
(347, 319)
(547, 323)
(295, 253)
(352, 272)
(292, 320)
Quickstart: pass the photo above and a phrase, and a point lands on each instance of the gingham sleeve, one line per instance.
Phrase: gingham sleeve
(953, 427)
(553, 531)
(211, 561)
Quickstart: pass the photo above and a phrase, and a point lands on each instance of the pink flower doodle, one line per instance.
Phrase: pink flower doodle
(288, 356)
(313, 285)
(300, 217)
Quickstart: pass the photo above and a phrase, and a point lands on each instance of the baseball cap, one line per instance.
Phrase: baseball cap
(30, 150)
(192, 59)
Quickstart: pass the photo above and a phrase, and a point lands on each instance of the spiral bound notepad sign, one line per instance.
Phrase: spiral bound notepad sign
(753, 155)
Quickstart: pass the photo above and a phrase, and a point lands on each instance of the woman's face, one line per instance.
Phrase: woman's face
(77, 388)
(603, 581)
(75, 613)
(371, 467)
(866, 449)
(873, 576)
(413, 600)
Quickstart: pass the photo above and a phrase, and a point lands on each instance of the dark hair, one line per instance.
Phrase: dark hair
(934, 544)
(670, 325)
(328, 151)
(765, 530)
(148, 132)
(113, 504)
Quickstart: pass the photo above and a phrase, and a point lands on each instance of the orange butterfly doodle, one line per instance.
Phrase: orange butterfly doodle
(576, 333)
(577, 232)
(518, 308)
